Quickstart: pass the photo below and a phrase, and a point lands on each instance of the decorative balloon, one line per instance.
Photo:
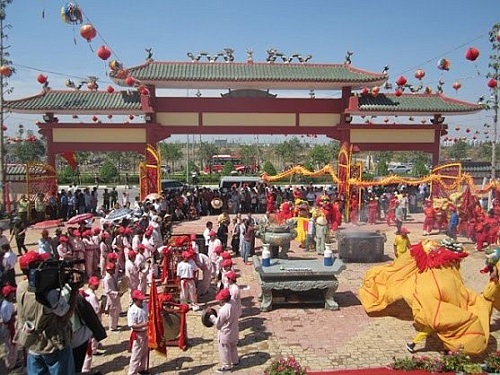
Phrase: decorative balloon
(41, 79)
(428, 90)
(72, 14)
(95, 118)
(375, 90)
(5, 70)
(103, 52)
(492, 83)
(472, 54)
(110, 89)
(115, 65)
(467, 130)
(419, 74)
(88, 32)
(398, 92)
(401, 81)
(456, 85)
(443, 64)
(365, 91)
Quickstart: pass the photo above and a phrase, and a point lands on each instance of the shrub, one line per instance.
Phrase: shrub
(285, 366)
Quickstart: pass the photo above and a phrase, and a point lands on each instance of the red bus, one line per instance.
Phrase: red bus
(216, 164)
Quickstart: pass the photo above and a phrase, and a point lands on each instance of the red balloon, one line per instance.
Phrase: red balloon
(401, 81)
(103, 52)
(398, 92)
(95, 118)
(472, 54)
(88, 32)
(467, 130)
(130, 81)
(456, 85)
(365, 91)
(131, 117)
(5, 70)
(110, 89)
(41, 79)
(419, 74)
(375, 90)
(492, 83)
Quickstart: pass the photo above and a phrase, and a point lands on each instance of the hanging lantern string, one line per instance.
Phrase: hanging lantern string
(102, 38)
(54, 72)
(431, 60)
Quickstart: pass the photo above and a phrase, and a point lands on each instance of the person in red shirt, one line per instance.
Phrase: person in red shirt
(391, 214)
(372, 211)
(430, 217)
(353, 206)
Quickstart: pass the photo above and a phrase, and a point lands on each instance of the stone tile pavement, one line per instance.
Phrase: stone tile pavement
(319, 339)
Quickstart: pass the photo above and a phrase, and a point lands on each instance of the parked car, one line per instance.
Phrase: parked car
(171, 185)
(399, 169)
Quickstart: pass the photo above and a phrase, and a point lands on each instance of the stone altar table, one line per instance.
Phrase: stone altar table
(298, 275)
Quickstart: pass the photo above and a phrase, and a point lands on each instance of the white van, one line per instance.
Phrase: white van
(227, 182)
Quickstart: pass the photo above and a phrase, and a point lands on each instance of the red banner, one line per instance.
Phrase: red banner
(71, 159)
(156, 338)
(149, 173)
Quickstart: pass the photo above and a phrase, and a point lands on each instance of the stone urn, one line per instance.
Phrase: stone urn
(278, 236)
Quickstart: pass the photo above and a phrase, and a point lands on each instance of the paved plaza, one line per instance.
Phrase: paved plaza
(319, 339)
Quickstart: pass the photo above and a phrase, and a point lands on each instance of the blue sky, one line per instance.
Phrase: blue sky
(405, 35)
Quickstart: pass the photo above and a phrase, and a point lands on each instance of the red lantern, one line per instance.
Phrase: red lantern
(130, 81)
(88, 32)
(375, 90)
(467, 130)
(474, 137)
(492, 83)
(110, 89)
(472, 54)
(456, 85)
(419, 74)
(4, 128)
(498, 36)
(401, 81)
(457, 128)
(131, 117)
(398, 92)
(5, 70)
(365, 91)
(110, 116)
(95, 118)
(41, 79)
(103, 52)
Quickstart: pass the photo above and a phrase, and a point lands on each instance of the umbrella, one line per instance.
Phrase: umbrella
(47, 224)
(152, 196)
(119, 214)
(81, 217)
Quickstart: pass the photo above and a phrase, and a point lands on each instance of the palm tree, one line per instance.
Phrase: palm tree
(171, 152)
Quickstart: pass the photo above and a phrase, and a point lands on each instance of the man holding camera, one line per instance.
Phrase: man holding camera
(44, 329)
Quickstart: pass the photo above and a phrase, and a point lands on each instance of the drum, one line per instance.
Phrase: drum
(205, 317)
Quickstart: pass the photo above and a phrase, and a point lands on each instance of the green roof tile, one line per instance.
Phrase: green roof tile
(415, 103)
(75, 101)
(171, 74)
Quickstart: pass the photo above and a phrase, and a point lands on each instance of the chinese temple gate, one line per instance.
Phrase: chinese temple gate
(245, 107)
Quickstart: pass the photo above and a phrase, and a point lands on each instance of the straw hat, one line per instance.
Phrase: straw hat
(216, 203)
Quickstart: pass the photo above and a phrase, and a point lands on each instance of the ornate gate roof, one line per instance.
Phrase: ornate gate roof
(283, 76)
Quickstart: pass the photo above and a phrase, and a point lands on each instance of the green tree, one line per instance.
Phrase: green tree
(171, 153)
(28, 152)
(290, 151)
(206, 151)
(108, 171)
(484, 151)
(228, 169)
(249, 155)
(382, 168)
(268, 168)
(458, 150)
(320, 155)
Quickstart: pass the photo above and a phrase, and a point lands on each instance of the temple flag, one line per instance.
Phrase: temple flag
(156, 338)
(71, 159)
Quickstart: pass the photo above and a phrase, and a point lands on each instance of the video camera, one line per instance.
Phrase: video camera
(54, 274)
